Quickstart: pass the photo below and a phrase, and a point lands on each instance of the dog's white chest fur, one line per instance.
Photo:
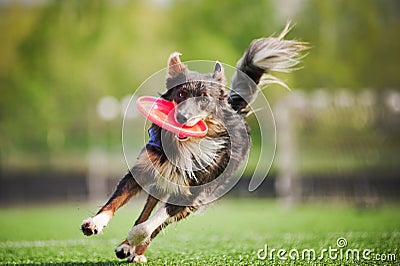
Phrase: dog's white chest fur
(184, 159)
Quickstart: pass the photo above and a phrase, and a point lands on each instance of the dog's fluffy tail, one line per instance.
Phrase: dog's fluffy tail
(261, 57)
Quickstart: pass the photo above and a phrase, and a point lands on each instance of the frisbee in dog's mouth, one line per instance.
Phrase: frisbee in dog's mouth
(161, 112)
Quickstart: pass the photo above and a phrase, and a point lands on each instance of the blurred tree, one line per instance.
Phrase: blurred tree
(45, 94)
(72, 53)
(219, 29)
(355, 44)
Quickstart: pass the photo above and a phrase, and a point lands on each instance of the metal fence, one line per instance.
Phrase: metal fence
(341, 144)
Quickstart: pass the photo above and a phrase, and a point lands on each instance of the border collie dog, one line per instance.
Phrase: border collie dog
(183, 174)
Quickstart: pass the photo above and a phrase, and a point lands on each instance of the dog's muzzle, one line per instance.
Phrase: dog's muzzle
(187, 121)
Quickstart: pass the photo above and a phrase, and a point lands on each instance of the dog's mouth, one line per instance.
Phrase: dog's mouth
(194, 120)
(191, 122)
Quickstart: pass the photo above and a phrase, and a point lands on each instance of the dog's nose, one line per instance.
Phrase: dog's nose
(181, 119)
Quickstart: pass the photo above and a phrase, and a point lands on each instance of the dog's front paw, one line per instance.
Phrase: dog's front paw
(124, 250)
(88, 227)
(137, 258)
(93, 226)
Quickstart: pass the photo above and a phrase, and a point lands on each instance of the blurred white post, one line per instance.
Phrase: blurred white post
(97, 174)
(98, 162)
(287, 186)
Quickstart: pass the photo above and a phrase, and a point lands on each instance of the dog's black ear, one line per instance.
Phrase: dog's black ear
(175, 67)
(219, 73)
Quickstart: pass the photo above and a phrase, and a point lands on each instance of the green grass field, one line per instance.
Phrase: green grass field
(230, 232)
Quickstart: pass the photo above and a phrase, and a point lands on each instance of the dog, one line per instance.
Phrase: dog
(184, 174)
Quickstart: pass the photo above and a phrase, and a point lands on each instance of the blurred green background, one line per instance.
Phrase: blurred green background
(68, 69)
(58, 59)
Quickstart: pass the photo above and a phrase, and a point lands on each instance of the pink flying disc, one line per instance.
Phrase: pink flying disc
(160, 112)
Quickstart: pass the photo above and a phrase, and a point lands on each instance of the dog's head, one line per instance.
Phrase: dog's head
(197, 96)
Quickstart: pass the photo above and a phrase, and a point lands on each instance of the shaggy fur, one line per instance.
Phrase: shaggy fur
(187, 173)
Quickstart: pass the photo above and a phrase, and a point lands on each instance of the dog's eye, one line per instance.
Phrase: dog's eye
(181, 94)
(204, 100)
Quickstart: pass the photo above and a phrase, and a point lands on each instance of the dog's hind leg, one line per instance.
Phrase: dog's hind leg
(142, 234)
(138, 255)
(125, 190)
(124, 249)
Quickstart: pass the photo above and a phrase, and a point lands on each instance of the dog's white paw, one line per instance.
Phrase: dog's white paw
(124, 251)
(138, 234)
(94, 225)
(137, 259)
